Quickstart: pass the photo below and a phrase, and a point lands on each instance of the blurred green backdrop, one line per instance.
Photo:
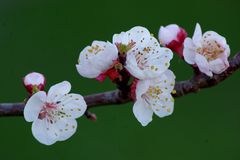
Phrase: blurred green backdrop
(47, 36)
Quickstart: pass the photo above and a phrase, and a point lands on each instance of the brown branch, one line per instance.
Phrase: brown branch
(200, 80)
(182, 88)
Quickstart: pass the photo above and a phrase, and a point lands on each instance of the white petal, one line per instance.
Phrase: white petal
(142, 112)
(164, 106)
(66, 128)
(197, 36)
(58, 90)
(189, 51)
(139, 35)
(103, 60)
(34, 106)
(150, 62)
(211, 35)
(45, 132)
(132, 67)
(203, 65)
(158, 62)
(141, 88)
(72, 105)
(217, 66)
(166, 82)
(121, 38)
(96, 59)
(86, 71)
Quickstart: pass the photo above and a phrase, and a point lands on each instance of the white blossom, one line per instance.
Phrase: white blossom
(209, 51)
(53, 114)
(96, 59)
(154, 96)
(145, 58)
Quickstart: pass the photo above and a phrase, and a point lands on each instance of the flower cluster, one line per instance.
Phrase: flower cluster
(138, 54)
(137, 63)
(209, 51)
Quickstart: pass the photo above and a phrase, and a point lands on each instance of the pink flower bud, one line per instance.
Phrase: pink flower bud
(34, 82)
(172, 37)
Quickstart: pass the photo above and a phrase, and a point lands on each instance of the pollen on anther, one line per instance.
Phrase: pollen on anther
(169, 110)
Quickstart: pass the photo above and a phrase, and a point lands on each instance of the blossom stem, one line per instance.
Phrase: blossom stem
(193, 85)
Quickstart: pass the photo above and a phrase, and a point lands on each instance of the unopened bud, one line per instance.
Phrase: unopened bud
(172, 37)
(34, 82)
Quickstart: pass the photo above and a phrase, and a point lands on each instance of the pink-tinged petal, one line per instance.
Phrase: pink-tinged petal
(45, 132)
(203, 65)
(189, 51)
(197, 36)
(217, 66)
(173, 36)
(73, 105)
(142, 112)
(164, 106)
(168, 33)
(34, 106)
(58, 90)
(101, 77)
(34, 78)
(227, 50)
(211, 35)
(225, 61)
(66, 127)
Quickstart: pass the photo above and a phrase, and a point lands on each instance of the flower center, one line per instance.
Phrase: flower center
(211, 50)
(51, 112)
(152, 95)
(122, 48)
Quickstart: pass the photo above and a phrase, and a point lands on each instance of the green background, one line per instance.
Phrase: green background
(47, 36)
